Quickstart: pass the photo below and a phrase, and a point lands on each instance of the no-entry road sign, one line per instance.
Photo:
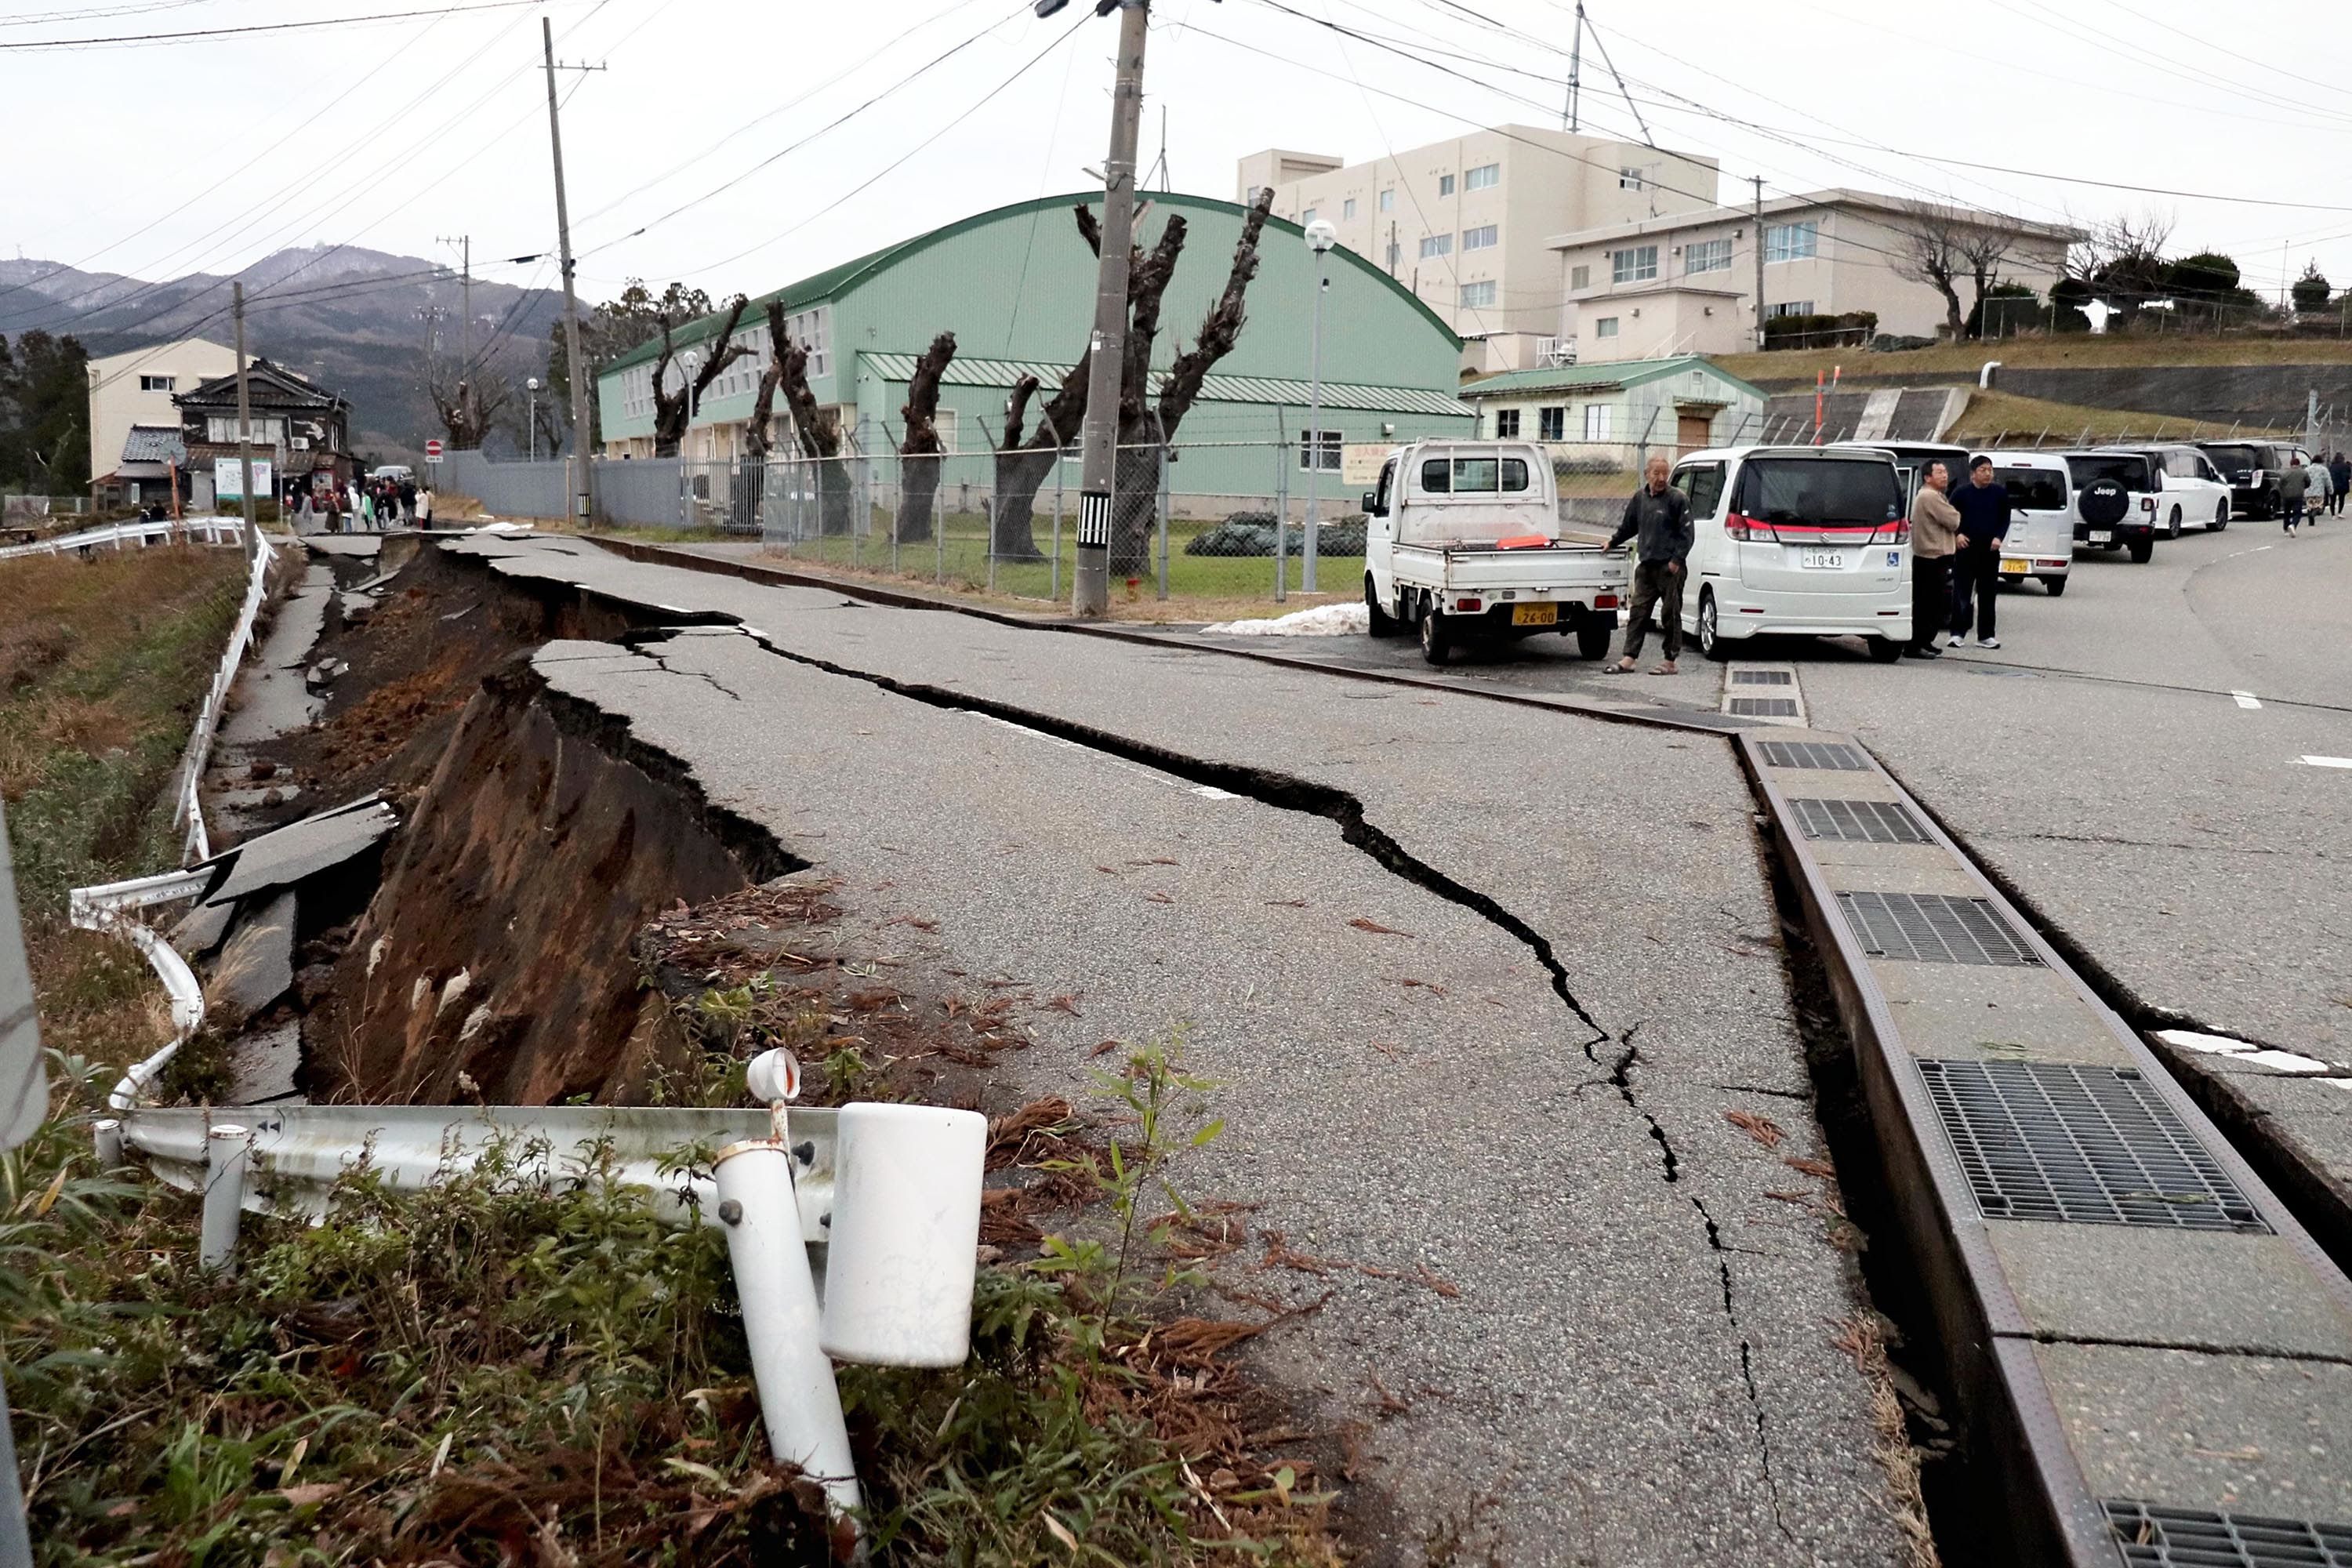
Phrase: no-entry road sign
(432, 451)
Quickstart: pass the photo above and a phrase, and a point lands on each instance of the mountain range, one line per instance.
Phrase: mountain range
(360, 322)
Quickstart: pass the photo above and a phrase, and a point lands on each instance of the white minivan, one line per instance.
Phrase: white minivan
(2195, 493)
(1798, 540)
(2040, 543)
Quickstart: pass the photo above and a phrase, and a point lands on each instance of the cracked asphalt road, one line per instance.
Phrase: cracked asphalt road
(1638, 1366)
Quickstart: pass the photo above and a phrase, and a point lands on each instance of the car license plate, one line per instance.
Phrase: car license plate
(2014, 566)
(2102, 535)
(1824, 559)
(1535, 615)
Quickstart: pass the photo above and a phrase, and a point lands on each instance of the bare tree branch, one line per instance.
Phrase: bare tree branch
(1928, 250)
(1220, 331)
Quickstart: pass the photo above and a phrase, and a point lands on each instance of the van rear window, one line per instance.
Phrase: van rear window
(2129, 471)
(1821, 491)
(2034, 489)
(1474, 476)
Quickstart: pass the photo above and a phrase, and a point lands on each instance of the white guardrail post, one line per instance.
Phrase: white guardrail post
(225, 1154)
(189, 810)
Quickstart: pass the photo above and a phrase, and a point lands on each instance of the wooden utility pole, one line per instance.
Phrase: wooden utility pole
(1099, 450)
(580, 472)
(244, 427)
(465, 243)
(1759, 259)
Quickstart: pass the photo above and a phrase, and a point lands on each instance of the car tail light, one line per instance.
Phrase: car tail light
(1899, 530)
(1465, 606)
(1604, 601)
(2147, 503)
(1737, 526)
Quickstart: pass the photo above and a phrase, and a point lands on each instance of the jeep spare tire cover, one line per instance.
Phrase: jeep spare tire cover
(2103, 503)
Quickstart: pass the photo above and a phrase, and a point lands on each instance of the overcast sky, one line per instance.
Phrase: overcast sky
(391, 134)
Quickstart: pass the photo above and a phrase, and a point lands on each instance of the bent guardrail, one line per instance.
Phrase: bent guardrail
(206, 530)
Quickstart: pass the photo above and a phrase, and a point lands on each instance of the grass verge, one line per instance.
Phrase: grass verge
(103, 664)
(2002, 418)
(2071, 351)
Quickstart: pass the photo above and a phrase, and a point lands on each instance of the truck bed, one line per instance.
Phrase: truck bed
(1565, 568)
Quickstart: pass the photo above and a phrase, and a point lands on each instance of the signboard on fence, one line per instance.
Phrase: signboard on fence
(1360, 463)
(228, 482)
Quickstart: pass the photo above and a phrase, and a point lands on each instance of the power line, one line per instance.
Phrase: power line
(127, 38)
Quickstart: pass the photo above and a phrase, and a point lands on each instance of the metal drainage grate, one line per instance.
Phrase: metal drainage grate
(1860, 821)
(1812, 754)
(1765, 707)
(2087, 1145)
(1762, 678)
(2193, 1538)
(1934, 928)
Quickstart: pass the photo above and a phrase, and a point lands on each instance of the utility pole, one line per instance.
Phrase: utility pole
(581, 470)
(1760, 259)
(243, 426)
(1576, 69)
(465, 242)
(1098, 464)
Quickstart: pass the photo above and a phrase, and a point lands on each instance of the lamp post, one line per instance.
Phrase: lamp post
(531, 387)
(1321, 238)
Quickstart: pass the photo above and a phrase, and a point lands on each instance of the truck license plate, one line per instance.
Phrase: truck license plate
(1535, 615)
(1824, 560)
(2015, 566)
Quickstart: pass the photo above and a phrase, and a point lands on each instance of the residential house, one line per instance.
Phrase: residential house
(300, 429)
(1609, 418)
(129, 406)
(1685, 282)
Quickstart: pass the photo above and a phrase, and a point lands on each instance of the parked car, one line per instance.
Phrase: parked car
(394, 471)
(2114, 501)
(2252, 470)
(1463, 542)
(2041, 541)
(1912, 461)
(1806, 540)
(2195, 493)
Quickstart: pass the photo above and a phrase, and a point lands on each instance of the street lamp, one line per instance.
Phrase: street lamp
(687, 364)
(1321, 238)
(531, 386)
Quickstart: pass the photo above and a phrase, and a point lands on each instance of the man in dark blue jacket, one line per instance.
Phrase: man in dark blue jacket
(1983, 506)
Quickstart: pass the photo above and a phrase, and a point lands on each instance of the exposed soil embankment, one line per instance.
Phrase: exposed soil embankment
(496, 960)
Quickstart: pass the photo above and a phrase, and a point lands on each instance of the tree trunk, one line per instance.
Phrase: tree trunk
(751, 476)
(819, 433)
(1020, 470)
(1135, 502)
(918, 449)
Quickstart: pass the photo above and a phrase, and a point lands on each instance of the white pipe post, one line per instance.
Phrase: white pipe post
(799, 1402)
(106, 1135)
(905, 1233)
(225, 1161)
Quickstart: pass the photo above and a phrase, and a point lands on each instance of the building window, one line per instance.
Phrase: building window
(1637, 264)
(1347, 208)
(1629, 178)
(812, 330)
(1483, 237)
(1388, 200)
(1792, 241)
(1485, 177)
(1596, 422)
(1551, 424)
(1708, 255)
(222, 429)
(158, 383)
(1445, 185)
(1606, 327)
(1307, 217)
(1506, 424)
(1579, 277)
(1329, 444)
(1789, 308)
(1436, 245)
(1478, 296)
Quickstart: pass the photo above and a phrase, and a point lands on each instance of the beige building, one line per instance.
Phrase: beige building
(1685, 282)
(135, 389)
(1468, 225)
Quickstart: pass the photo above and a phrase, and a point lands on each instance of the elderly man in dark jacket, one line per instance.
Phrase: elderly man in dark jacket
(1658, 519)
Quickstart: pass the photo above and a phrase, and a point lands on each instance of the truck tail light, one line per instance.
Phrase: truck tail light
(1604, 601)
(1468, 606)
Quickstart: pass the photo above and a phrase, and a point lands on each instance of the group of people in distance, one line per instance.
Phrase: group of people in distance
(2306, 495)
(358, 507)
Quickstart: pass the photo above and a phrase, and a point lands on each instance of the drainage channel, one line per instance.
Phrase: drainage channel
(2153, 1358)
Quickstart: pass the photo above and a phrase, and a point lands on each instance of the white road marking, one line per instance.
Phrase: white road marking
(2246, 699)
(2326, 762)
(2257, 550)
(1207, 791)
(2241, 1051)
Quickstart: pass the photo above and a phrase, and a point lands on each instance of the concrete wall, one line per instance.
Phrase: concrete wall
(2262, 397)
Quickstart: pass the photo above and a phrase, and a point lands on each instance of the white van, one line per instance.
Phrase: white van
(2041, 541)
(2195, 495)
(1801, 540)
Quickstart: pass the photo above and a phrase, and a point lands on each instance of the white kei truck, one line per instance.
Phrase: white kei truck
(1463, 541)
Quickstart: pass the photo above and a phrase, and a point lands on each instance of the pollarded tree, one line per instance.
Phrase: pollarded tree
(920, 446)
(816, 431)
(674, 411)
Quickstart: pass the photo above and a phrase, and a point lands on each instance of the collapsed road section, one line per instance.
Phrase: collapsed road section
(1518, 1133)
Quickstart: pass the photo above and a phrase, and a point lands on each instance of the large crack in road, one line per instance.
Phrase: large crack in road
(1289, 792)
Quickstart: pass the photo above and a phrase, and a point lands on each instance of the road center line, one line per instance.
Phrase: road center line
(2326, 762)
(2246, 699)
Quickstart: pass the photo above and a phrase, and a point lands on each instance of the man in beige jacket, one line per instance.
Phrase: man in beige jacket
(1934, 529)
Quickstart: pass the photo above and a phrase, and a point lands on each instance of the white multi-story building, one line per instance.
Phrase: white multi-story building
(1685, 282)
(1468, 225)
(134, 390)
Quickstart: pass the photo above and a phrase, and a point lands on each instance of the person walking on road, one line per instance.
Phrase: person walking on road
(425, 506)
(2294, 486)
(408, 500)
(2339, 474)
(1934, 530)
(1983, 506)
(1658, 519)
